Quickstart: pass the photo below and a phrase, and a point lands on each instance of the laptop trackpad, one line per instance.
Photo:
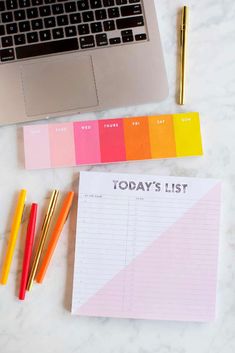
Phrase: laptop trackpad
(58, 85)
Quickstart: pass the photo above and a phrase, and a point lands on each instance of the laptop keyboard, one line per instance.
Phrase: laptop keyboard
(31, 28)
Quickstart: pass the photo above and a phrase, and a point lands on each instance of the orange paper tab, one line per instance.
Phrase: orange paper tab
(162, 137)
(136, 131)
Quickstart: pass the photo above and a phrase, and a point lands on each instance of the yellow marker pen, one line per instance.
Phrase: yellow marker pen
(13, 236)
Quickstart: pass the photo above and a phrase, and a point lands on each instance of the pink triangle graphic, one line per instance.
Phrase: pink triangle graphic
(172, 279)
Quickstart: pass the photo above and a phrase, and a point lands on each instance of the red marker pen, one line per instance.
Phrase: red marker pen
(28, 249)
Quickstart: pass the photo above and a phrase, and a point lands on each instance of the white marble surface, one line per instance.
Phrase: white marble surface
(43, 322)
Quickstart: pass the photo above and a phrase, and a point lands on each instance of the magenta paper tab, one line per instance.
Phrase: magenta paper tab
(87, 143)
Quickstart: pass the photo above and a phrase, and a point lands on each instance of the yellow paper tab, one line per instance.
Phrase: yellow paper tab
(187, 134)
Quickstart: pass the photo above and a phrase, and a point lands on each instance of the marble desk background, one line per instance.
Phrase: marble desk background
(43, 322)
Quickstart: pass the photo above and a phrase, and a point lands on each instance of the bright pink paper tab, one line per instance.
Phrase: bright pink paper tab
(62, 145)
(112, 144)
(37, 147)
(87, 144)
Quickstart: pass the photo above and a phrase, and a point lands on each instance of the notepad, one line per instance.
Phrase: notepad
(146, 247)
(112, 140)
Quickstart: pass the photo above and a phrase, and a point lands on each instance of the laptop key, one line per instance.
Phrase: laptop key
(127, 36)
(49, 22)
(121, 2)
(19, 39)
(7, 55)
(2, 6)
(11, 4)
(37, 2)
(141, 36)
(109, 25)
(49, 1)
(87, 42)
(130, 22)
(95, 4)
(57, 33)
(7, 41)
(32, 37)
(70, 6)
(11, 28)
(127, 32)
(113, 12)
(108, 3)
(70, 31)
(19, 15)
(62, 20)
(24, 26)
(75, 18)
(101, 14)
(45, 11)
(57, 46)
(131, 10)
(37, 24)
(2, 30)
(115, 40)
(7, 17)
(96, 27)
(83, 29)
(45, 35)
(101, 40)
(88, 16)
(32, 13)
(83, 5)
(57, 9)
(24, 3)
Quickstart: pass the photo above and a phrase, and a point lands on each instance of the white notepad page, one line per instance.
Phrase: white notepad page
(146, 247)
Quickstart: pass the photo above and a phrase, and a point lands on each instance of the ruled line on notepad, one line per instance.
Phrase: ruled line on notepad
(131, 248)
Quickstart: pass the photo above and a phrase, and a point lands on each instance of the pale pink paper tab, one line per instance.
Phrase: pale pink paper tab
(37, 147)
(87, 144)
(62, 145)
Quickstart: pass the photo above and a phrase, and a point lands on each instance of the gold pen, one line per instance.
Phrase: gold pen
(44, 232)
(183, 52)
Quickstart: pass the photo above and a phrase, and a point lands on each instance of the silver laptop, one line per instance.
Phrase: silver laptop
(60, 57)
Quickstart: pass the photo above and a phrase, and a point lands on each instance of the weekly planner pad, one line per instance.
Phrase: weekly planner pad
(146, 247)
(112, 140)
